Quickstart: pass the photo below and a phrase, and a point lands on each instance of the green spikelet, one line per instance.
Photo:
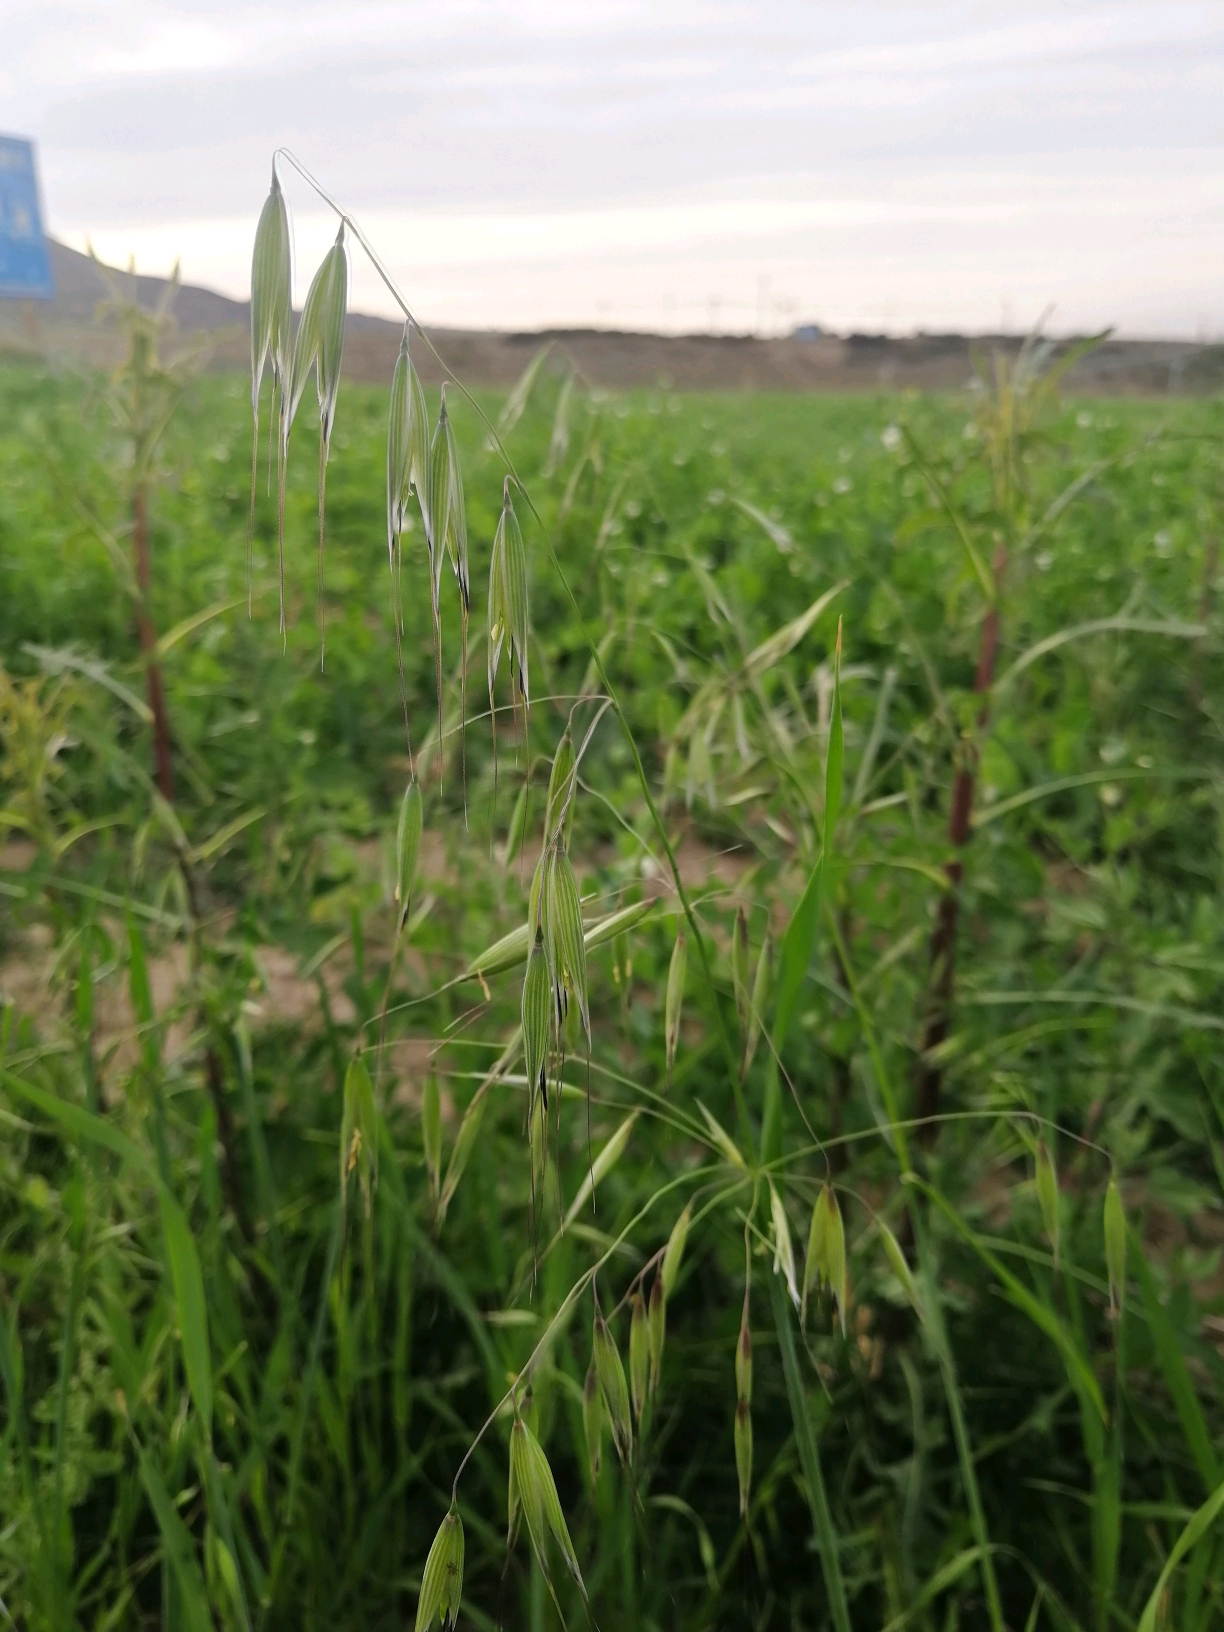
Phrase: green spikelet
(611, 1373)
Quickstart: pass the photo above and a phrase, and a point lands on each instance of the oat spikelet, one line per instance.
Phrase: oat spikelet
(319, 346)
(508, 616)
(611, 1373)
(442, 1578)
(534, 1495)
(271, 333)
(674, 1000)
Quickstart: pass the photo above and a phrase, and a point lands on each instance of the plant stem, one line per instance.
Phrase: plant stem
(148, 645)
(809, 1458)
(929, 1075)
(932, 1319)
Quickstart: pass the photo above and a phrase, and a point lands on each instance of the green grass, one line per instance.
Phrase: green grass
(345, 1361)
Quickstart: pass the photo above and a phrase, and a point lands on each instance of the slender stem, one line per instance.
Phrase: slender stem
(929, 1074)
(148, 644)
(883, 1081)
(605, 682)
(809, 1458)
(299, 1431)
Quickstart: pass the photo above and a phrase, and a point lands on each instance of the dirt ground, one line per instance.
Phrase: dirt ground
(67, 329)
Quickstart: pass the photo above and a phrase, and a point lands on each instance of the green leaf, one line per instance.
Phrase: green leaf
(1176, 1372)
(796, 954)
(1078, 1369)
(179, 1547)
(188, 1281)
(1194, 1531)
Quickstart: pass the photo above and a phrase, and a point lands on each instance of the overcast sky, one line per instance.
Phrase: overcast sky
(669, 164)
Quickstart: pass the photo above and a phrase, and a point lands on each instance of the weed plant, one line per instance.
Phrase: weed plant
(566, 1229)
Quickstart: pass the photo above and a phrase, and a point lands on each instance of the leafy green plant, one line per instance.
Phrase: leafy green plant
(533, 1116)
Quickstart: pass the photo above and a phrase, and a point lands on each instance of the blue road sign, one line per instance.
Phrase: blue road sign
(25, 265)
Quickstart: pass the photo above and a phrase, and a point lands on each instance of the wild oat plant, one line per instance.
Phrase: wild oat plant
(753, 1275)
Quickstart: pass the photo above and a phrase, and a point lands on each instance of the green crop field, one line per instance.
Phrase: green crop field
(298, 1259)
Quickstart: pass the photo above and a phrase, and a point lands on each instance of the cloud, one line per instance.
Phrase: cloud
(617, 157)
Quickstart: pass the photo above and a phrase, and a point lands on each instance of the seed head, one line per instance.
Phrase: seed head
(508, 618)
(537, 1016)
(319, 344)
(408, 843)
(675, 998)
(558, 809)
(442, 1579)
(611, 1373)
(399, 446)
(271, 281)
(534, 1493)
(826, 1252)
(449, 512)
(899, 1267)
(560, 916)
(594, 1420)
(673, 1253)
(359, 1132)
(784, 1252)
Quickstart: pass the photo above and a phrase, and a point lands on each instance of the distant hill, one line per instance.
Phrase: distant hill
(68, 328)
